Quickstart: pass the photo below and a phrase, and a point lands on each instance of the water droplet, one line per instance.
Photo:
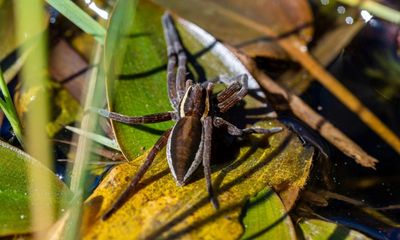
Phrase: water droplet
(349, 20)
(324, 2)
(341, 9)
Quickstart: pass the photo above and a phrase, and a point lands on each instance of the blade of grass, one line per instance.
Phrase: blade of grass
(79, 169)
(80, 18)
(375, 9)
(295, 49)
(8, 108)
(105, 141)
(30, 20)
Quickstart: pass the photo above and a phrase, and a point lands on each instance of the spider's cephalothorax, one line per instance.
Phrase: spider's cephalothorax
(196, 112)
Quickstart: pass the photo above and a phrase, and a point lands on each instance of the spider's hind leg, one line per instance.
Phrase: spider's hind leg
(208, 126)
(160, 144)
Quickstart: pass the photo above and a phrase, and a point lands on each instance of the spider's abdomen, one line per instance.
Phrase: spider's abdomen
(183, 147)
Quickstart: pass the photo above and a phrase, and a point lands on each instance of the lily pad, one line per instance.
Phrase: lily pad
(137, 82)
(160, 209)
(266, 218)
(314, 229)
(15, 216)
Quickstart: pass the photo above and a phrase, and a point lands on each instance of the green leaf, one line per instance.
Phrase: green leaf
(137, 82)
(159, 208)
(314, 229)
(15, 202)
(266, 218)
(79, 18)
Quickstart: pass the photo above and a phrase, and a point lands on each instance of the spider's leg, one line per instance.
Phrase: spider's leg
(232, 89)
(234, 84)
(151, 118)
(175, 42)
(232, 94)
(162, 141)
(207, 128)
(235, 131)
(171, 76)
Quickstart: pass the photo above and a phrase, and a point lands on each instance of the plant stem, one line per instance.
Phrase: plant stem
(8, 108)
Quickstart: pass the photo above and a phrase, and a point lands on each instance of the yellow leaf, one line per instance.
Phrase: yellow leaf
(160, 209)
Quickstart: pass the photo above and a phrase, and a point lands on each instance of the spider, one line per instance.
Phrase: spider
(196, 111)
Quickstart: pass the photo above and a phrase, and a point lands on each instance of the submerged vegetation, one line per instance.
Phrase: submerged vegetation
(318, 70)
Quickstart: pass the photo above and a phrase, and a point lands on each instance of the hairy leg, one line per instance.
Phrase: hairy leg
(162, 141)
(207, 128)
(151, 118)
(235, 131)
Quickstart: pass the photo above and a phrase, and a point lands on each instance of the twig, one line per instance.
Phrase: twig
(326, 49)
(307, 114)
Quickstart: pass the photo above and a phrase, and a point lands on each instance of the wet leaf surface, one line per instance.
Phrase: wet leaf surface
(161, 209)
(137, 79)
(313, 229)
(14, 194)
(284, 17)
(266, 218)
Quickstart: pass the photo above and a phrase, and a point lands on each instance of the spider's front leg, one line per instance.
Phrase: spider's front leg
(132, 120)
(176, 58)
(235, 131)
(233, 94)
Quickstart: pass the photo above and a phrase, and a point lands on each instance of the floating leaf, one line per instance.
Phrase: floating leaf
(266, 218)
(15, 202)
(161, 209)
(317, 229)
(137, 82)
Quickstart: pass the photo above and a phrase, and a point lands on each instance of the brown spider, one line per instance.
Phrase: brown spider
(196, 112)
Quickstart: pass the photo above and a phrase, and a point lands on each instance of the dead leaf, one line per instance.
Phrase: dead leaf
(284, 17)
